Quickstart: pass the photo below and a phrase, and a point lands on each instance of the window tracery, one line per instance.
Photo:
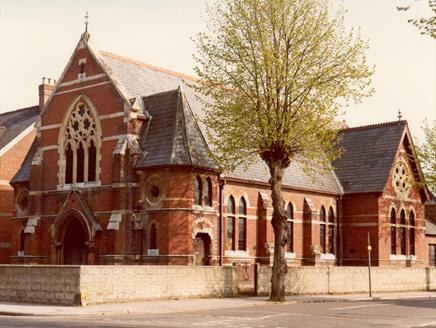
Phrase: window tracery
(400, 179)
(79, 146)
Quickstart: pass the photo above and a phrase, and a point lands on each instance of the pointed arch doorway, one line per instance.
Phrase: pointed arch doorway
(74, 246)
(202, 245)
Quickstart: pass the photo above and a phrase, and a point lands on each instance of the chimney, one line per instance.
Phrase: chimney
(45, 90)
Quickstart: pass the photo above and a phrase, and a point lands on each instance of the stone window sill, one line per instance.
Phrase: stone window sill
(80, 185)
(236, 253)
(289, 255)
(328, 256)
(394, 257)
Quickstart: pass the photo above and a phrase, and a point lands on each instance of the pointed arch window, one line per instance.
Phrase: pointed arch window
(412, 233)
(79, 151)
(322, 229)
(393, 232)
(153, 237)
(290, 228)
(22, 242)
(403, 232)
(242, 220)
(198, 190)
(331, 231)
(230, 230)
(208, 192)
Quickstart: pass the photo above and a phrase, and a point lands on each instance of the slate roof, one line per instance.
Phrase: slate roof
(23, 173)
(173, 136)
(137, 78)
(369, 152)
(15, 122)
(430, 227)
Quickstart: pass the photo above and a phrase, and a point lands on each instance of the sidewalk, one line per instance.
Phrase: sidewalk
(184, 305)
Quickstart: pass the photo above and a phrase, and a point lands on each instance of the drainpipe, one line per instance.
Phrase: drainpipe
(221, 248)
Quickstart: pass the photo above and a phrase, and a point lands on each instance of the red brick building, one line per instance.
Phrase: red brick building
(430, 230)
(17, 132)
(121, 172)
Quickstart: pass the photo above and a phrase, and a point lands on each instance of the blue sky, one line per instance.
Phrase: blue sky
(38, 36)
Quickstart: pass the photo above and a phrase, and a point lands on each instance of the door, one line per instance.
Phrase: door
(74, 246)
(202, 249)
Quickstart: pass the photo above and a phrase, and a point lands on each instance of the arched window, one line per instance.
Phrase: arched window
(22, 242)
(403, 232)
(242, 219)
(69, 164)
(412, 233)
(79, 146)
(197, 190)
(230, 231)
(153, 237)
(322, 229)
(393, 232)
(290, 228)
(92, 155)
(80, 163)
(208, 192)
(331, 231)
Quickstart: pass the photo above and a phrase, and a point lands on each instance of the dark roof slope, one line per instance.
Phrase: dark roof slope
(137, 78)
(369, 152)
(15, 122)
(173, 136)
(23, 173)
(430, 227)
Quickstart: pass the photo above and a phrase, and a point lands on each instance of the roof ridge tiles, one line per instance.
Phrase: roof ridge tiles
(156, 68)
(374, 126)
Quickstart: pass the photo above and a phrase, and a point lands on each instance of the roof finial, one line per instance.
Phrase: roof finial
(86, 35)
(86, 22)
(399, 115)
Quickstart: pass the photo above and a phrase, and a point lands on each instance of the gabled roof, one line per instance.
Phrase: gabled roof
(12, 124)
(369, 153)
(137, 78)
(23, 173)
(173, 136)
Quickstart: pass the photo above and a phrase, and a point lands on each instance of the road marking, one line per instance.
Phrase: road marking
(428, 324)
(358, 306)
(268, 316)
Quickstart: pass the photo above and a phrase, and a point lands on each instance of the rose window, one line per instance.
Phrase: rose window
(400, 179)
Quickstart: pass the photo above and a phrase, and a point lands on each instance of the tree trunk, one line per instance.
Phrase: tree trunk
(278, 222)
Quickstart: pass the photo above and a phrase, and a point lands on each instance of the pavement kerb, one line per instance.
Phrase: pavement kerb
(88, 311)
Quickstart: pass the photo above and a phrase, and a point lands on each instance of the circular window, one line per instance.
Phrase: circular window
(22, 200)
(153, 190)
(400, 179)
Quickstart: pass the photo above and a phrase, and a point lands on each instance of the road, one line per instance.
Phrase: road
(393, 313)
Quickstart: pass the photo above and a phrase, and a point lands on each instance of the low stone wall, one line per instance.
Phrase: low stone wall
(345, 280)
(83, 285)
(106, 284)
(40, 284)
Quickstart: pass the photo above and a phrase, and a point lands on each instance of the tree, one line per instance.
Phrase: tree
(426, 152)
(276, 71)
(427, 26)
